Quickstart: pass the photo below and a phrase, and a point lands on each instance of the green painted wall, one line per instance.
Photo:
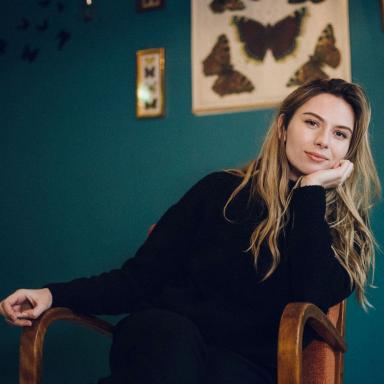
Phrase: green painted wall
(82, 179)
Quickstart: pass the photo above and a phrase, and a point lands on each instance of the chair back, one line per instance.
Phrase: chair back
(320, 363)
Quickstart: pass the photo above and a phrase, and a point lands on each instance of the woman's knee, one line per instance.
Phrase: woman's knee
(156, 326)
(157, 344)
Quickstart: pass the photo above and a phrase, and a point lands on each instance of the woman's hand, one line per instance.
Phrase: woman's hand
(25, 304)
(329, 178)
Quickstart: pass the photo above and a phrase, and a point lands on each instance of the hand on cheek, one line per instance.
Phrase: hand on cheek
(337, 164)
(330, 178)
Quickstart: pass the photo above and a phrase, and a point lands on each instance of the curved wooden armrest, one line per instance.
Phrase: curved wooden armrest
(293, 320)
(32, 339)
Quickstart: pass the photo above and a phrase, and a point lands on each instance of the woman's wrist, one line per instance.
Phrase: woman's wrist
(306, 180)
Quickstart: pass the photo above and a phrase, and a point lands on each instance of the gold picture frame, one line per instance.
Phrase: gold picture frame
(149, 5)
(150, 94)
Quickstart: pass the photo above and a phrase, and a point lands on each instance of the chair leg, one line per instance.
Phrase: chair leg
(30, 352)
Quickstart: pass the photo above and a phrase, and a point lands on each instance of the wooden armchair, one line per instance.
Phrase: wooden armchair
(320, 363)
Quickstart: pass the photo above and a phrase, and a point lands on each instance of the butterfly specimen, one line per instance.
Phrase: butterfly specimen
(303, 1)
(150, 105)
(218, 62)
(219, 6)
(280, 37)
(149, 60)
(149, 72)
(325, 53)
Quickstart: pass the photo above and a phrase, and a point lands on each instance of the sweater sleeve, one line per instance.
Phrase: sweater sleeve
(316, 274)
(159, 259)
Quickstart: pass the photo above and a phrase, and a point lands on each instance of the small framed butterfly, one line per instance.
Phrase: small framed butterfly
(150, 66)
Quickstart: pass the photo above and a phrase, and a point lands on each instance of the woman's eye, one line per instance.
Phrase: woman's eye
(341, 134)
(312, 123)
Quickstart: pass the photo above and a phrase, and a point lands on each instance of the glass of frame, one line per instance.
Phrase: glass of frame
(150, 82)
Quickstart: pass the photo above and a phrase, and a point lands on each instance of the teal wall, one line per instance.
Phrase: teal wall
(82, 179)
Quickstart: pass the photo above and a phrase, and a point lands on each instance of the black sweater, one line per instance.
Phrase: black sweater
(195, 263)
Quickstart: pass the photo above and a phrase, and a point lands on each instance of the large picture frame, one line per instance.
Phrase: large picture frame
(251, 54)
(150, 94)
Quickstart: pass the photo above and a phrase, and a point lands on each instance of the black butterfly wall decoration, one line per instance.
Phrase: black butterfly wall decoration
(43, 26)
(3, 46)
(326, 53)
(280, 38)
(60, 7)
(29, 51)
(44, 3)
(29, 54)
(63, 36)
(24, 24)
(218, 62)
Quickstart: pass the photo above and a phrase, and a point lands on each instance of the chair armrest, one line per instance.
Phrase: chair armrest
(293, 320)
(32, 340)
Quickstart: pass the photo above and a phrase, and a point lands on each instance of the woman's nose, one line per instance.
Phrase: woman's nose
(322, 138)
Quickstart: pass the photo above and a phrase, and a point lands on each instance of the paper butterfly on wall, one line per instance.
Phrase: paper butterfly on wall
(29, 54)
(280, 38)
(219, 6)
(218, 62)
(325, 53)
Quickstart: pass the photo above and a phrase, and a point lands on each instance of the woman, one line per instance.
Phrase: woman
(206, 290)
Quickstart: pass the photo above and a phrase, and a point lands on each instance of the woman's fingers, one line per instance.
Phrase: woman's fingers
(33, 313)
(37, 301)
(343, 171)
(347, 167)
(7, 310)
(19, 322)
(332, 177)
(12, 306)
(24, 305)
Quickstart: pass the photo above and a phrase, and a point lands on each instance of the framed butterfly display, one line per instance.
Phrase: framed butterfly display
(150, 82)
(249, 54)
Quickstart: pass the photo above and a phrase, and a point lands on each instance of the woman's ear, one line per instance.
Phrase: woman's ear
(281, 129)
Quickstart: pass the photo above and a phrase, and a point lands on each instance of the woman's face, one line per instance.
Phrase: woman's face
(322, 126)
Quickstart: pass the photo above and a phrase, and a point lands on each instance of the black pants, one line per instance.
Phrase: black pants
(157, 346)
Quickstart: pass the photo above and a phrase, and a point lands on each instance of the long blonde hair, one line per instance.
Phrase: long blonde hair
(347, 206)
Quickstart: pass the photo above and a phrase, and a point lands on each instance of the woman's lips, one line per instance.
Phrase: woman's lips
(315, 158)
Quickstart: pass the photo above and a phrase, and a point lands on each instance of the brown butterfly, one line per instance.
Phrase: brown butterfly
(218, 62)
(219, 6)
(325, 53)
(280, 37)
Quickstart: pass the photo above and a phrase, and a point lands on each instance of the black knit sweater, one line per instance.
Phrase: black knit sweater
(195, 263)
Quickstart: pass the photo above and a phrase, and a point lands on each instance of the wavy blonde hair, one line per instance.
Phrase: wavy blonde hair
(347, 206)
